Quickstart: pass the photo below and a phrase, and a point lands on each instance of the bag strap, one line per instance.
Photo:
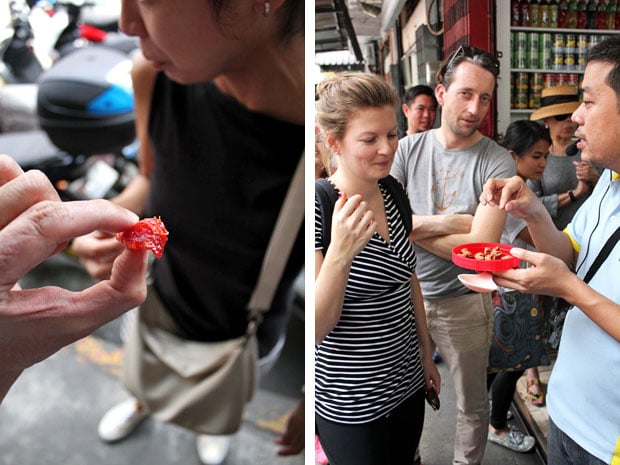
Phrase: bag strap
(327, 197)
(280, 245)
(402, 201)
(602, 255)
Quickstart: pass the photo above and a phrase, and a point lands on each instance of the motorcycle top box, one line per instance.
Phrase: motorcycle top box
(85, 102)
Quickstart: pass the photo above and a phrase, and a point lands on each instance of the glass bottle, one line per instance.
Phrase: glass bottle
(591, 14)
(543, 13)
(582, 16)
(571, 17)
(534, 13)
(515, 13)
(525, 13)
(612, 9)
(562, 13)
(601, 15)
(553, 13)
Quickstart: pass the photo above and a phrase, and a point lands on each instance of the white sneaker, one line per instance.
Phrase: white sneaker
(212, 450)
(120, 421)
(514, 440)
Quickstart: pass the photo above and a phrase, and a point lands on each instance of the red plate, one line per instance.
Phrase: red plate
(484, 265)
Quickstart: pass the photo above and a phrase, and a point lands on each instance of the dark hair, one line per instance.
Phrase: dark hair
(342, 96)
(522, 134)
(291, 27)
(469, 54)
(420, 89)
(608, 51)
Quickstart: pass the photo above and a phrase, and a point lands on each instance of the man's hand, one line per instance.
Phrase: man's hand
(546, 275)
(512, 195)
(34, 225)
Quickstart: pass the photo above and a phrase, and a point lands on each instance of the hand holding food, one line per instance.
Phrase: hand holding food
(34, 225)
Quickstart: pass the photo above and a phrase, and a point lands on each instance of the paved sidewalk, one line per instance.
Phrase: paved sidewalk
(50, 415)
(437, 442)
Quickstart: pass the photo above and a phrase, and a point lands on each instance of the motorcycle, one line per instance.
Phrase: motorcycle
(82, 133)
(91, 23)
(44, 31)
(85, 142)
(20, 63)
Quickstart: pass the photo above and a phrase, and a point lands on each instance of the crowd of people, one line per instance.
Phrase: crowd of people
(464, 187)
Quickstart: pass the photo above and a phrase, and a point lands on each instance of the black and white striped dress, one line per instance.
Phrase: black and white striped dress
(370, 362)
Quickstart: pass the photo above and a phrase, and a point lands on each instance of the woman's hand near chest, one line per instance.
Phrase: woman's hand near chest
(353, 225)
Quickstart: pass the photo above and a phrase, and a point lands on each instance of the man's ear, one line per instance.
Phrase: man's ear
(405, 108)
(440, 90)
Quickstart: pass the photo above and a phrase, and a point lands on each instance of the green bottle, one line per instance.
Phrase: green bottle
(612, 9)
(571, 17)
(591, 14)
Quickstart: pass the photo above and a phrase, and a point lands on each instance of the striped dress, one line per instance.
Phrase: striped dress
(370, 362)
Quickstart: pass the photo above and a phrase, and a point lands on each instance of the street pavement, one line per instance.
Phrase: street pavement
(50, 415)
(437, 443)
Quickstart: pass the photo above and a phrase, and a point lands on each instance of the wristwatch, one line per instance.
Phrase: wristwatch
(572, 196)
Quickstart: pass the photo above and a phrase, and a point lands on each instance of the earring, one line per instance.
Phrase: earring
(267, 8)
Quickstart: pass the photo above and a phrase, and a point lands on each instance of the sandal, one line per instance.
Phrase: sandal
(536, 398)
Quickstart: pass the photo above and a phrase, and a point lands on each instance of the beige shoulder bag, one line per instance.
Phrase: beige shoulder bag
(199, 385)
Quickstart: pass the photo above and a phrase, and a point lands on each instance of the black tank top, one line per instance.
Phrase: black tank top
(219, 178)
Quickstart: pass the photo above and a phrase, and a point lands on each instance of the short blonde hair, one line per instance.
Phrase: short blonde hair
(342, 96)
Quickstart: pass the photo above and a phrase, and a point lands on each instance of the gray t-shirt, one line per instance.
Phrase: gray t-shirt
(512, 229)
(440, 181)
(560, 176)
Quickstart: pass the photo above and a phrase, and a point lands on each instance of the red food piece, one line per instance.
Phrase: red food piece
(147, 234)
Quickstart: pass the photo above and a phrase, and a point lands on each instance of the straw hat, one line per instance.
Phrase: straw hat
(557, 100)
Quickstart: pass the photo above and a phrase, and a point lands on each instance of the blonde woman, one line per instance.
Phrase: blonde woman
(373, 356)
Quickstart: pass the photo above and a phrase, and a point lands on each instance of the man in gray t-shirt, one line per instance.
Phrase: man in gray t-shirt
(443, 171)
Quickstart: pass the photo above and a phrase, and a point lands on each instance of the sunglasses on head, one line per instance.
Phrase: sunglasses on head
(561, 117)
(473, 52)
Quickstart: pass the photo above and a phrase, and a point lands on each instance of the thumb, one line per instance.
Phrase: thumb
(342, 199)
(523, 254)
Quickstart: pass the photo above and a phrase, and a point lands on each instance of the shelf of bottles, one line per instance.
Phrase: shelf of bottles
(549, 41)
